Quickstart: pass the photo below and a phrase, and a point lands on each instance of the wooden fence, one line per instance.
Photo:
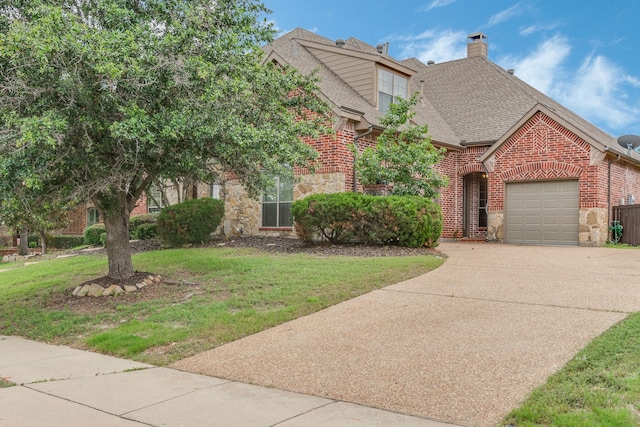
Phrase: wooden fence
(629, 217)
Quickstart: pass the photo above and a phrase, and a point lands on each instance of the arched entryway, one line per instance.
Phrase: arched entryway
(475, 205)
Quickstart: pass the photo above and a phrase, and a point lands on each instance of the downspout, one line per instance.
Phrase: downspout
(609, 195)
(355, 153)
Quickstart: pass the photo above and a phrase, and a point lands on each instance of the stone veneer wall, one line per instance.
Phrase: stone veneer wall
(243, 215)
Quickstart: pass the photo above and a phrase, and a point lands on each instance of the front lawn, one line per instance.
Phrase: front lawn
(599, 387)
(218, 295)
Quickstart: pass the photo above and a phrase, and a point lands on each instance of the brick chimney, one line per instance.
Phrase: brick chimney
(477, 45)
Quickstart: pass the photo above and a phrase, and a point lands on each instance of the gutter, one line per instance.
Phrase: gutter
(355, 154)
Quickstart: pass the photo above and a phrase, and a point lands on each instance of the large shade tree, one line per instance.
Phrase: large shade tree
(104, 96)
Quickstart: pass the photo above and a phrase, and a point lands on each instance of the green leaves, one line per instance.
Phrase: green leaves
(403, 155)
(99, 97)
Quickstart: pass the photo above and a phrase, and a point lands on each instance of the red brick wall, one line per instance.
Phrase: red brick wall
(141, 206)
(335, 153)
(625, 180)
(543, 149)
(455, 166)
(78, 221)
(78, 217)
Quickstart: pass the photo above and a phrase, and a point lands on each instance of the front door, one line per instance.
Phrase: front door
(475, 205)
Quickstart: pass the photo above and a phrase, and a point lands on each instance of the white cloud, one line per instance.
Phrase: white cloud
(505, 15)
(435, 46)
(531, 29)
(598, 90)
(437, 3)
(543, 66)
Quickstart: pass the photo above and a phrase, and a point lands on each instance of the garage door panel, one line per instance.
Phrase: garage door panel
(542, 212)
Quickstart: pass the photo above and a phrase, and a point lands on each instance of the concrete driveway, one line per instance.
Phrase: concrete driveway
(464, 344)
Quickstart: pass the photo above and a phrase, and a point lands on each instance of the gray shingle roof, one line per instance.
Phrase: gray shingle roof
(471, 99)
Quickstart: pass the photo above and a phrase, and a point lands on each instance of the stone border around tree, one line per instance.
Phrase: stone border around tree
(95, 290)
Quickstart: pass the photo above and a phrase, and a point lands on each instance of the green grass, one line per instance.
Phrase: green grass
(239, 292)
(599, 387)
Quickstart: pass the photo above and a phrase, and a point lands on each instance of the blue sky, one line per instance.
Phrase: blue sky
(584, 54)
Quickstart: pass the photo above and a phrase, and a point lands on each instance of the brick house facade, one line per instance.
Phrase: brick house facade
(80, 217)
(522, 168)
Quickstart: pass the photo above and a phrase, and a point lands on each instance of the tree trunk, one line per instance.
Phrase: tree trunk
(43, 242)
(116, 222)
(23, 249)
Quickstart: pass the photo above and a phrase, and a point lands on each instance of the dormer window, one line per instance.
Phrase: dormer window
(390, 88)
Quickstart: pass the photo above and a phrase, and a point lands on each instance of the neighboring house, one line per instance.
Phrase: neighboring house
(522, 168)
(86, 215)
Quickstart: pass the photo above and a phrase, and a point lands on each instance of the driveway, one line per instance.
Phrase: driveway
(464, 343)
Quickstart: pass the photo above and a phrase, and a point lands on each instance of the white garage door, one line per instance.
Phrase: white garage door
(542, 213)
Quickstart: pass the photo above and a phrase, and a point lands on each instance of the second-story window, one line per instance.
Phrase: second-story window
(390, 87)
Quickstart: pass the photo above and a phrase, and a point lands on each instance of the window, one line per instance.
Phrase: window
(93, 217)
(154, 199)
(390, 87)
(216, 191)
(276, 204)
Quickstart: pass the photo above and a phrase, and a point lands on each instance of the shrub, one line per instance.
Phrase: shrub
(65, 242)
(146, 232)
(33, 241)
(192, 221)
(137, 221)
(103, 239)
(92, 234)
(411, 221)
(326, 216)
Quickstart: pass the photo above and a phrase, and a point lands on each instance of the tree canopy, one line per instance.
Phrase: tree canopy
(403, 155)
(100, 97)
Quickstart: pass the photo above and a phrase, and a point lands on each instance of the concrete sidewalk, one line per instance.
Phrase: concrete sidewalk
(61, 386)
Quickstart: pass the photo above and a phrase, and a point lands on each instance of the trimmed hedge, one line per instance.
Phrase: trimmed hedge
(137, 221)
(192, 221)
(145, 232)
(65, 242)
(411, 221)
(92, 234)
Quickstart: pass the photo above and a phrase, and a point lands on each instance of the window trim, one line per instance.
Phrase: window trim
(394, 96)
(89, 215)
(277, 202)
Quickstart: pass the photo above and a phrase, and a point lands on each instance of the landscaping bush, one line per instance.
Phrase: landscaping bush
(137, 221)
(192, 221)
(65, 242)
(92, 234)
(146, 232)
(33, 241)
(411, 221)
(326, 216)
(103, 239)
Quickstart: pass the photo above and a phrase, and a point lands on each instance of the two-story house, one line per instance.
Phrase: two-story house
(522, 168)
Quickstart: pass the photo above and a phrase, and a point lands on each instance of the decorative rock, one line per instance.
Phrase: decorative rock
(76, 290)
(157, 279)
(95, 290)
(5, 258)
(112, 290)
(141, 285)
(83, 291)
(150, 277)
(130, 288)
